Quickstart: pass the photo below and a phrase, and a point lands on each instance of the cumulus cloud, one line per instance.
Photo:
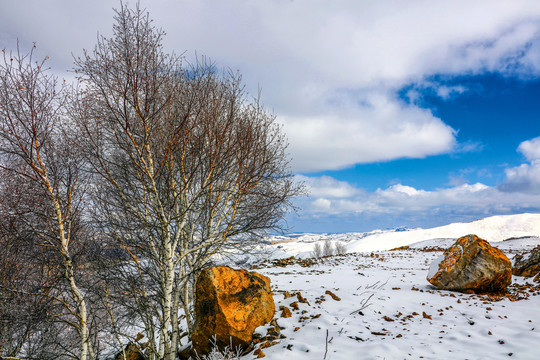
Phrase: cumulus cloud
(531, 149)
(327, 187)
(381, 129)
(411, 206)
(525, 178)
(330, 70)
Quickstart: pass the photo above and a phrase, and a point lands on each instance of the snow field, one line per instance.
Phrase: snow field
(393, 285)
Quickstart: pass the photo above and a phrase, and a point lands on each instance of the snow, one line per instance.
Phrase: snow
(384, 295)
(434, 267)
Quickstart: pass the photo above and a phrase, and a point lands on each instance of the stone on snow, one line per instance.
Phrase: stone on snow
(471, 263)
(527, 264)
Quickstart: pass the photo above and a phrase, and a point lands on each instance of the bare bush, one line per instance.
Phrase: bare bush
(228, 353)
(340, 248)
(317, 250)
(328, 248)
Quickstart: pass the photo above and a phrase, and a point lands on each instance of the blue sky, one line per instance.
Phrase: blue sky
(416, 113)
(492, 115)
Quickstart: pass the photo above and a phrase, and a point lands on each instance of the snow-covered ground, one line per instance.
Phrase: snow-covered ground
(388, 310)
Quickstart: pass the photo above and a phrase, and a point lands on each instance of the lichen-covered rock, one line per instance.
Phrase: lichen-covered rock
(229, 305)
(527, 264)
(471, 263)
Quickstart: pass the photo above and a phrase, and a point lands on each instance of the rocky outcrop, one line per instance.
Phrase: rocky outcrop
(131, 352)
(229, 305)
(471, 263)
(527, 264)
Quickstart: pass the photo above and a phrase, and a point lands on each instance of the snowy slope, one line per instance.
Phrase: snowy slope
(492, 229)
(386, 309)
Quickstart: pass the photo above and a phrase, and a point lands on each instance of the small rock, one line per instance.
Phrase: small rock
(259, 353)
(405, 247)
(273, 332)
(301, 298)
(332, 295)
(268, 344)
(527, 264)
(286, 313)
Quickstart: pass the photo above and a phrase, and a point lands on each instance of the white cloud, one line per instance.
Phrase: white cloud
(381, 129)
(401, 200)
(320, 64)
(519, 192)
(530, 148)
(525, 178)
(446, 92)
(326, 186)
(330, 70)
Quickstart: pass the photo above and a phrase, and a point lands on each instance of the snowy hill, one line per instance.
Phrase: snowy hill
(492, 229)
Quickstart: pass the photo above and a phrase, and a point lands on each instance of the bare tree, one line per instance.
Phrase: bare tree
(36, 150)
(23, 272)
(187, 166)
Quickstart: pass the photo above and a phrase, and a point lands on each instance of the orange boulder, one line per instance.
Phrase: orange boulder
(229, 305)
(471, 263)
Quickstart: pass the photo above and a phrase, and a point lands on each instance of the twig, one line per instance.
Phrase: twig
(326, 350)
(364, 304)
